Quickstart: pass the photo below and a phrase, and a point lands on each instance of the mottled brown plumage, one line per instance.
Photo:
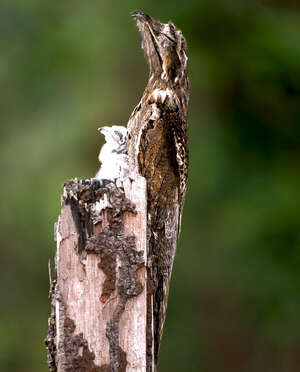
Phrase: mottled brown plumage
(158, 150)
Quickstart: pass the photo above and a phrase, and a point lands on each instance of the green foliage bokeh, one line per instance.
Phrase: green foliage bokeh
(68, 67)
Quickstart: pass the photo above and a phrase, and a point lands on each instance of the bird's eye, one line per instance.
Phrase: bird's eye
(119, 134)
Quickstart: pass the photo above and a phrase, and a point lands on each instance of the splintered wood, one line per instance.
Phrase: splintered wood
(99, 299)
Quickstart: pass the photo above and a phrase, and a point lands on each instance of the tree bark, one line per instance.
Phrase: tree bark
(99, 297)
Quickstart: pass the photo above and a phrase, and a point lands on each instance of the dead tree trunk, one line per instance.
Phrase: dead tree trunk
(98, 318)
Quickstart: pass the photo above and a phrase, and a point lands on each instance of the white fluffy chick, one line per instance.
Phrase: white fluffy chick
(113, 154)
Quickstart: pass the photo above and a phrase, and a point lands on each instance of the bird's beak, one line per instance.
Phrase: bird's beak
(144, 19)
(138, 14)
(102, 129)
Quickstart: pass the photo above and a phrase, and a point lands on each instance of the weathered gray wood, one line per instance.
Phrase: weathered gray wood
(98, 320)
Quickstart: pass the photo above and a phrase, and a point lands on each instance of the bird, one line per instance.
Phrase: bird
(158, 149)
(113, 154)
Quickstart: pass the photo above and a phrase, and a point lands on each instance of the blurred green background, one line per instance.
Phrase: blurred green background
(68, 67)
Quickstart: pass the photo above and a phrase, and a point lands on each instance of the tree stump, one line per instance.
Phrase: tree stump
(99, 297)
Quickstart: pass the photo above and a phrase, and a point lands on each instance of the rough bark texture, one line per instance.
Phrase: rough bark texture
(98, 299)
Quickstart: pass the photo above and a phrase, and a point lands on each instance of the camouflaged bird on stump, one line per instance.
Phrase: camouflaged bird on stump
(116, 238)
(158, 150)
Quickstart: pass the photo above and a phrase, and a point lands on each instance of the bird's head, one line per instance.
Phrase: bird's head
(164, 47)
(115, 135)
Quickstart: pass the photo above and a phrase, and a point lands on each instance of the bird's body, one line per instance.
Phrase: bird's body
(158, 150)
(113, 154)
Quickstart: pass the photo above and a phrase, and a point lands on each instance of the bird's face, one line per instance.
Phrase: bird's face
(164, 46)
(115, 136)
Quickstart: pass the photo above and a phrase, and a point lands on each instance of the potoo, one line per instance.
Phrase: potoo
(158, 150)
